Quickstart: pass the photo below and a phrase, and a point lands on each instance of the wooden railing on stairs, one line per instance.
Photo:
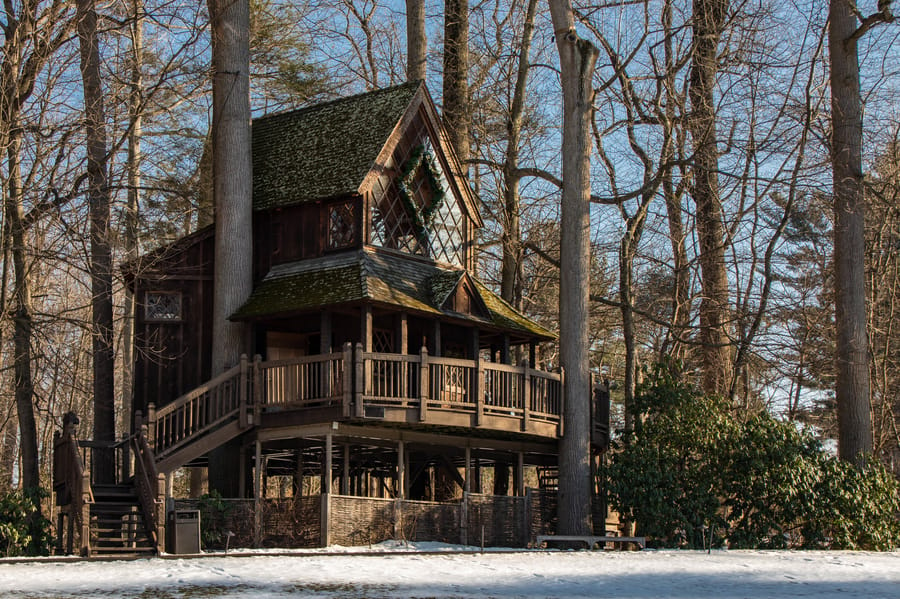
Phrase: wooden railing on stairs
(72, 486)
(149, 485)
(222, 400)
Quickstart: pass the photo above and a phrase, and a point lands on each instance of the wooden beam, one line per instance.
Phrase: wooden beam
(365, 327)
(345, 478)
(325, 332)
(401, 469)
(326, 471)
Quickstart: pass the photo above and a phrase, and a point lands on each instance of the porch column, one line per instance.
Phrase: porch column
(402, 333)
(326, 474)
(325, 333)
(520, 474)
(257, 481)
(345, 479)
(365, 328)
(532, 354)
(436, 351)
(401, 469)
(467, 483)
(504, 350)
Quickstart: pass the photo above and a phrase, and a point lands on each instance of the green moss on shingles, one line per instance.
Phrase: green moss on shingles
(505, 316)
(303, 291)
(324, 150)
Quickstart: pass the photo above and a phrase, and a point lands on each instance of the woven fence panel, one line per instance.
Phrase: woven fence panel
(544, 519)
(500, 519)
(360, 520)
(430, 521)
(292, 523)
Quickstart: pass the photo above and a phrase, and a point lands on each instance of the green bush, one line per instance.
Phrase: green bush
(691, 467)
(213, 514)
(23, 530)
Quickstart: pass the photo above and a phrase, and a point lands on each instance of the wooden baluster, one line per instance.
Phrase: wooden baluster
(526, 394)
(360, 381)
(478, 381)
(347, 396)
(424, 384)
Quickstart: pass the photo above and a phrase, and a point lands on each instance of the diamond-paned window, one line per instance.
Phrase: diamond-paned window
(419, 213)
(162, 306)
(341, 226)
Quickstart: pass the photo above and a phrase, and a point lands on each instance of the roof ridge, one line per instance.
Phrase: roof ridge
(327, 103)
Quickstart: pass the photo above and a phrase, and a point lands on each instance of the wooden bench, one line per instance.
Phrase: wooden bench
(590, 540)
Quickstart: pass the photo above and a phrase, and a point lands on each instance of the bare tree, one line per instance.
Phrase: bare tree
(416, 40)
(851, 349)
(456, 111)
(577, 58)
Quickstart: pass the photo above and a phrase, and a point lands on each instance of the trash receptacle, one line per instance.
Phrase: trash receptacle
(183, 531)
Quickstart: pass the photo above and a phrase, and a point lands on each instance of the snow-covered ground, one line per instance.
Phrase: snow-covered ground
(436, 571)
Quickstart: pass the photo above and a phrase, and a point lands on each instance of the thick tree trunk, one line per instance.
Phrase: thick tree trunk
(707, 24)
(416, 40)
(24, 385)
(577, 59)
(101, 255)
(851, 344)
(130, 236)
(512, 265)
(232, 189)
(456, 73)
(232, 180)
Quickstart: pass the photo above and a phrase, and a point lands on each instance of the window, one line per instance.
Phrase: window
(162, 306)
(341, 226)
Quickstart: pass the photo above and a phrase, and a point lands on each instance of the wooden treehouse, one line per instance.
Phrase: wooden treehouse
(378, 368)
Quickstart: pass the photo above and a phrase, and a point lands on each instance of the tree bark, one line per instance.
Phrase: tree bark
(416, 40)
(456, 73)
(708, 21)
(101, 254)
(577, 59)
(851, 343)
(135, 114)
(232, 191)
(512, 263)
(232, 180)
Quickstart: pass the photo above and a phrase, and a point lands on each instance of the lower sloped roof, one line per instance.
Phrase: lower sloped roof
(376, 277)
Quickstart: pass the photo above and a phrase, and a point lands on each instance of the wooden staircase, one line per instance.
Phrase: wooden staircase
(117, 525)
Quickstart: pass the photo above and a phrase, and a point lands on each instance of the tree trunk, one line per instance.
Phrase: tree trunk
(416, 40)
(577, 58)
(851, 344)
(707, 24)
(232, 189)
(456, 73)
(24, 385)
(101, 255)
(512, 263)
(135, 113)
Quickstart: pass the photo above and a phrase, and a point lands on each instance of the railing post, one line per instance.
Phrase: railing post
(86, 498)
(151, 424)
(478, 381)
(243, 383)
(526, 394)
(257, 389)
(424, 384)
(360, 382)
(160, 508)
(347, 396)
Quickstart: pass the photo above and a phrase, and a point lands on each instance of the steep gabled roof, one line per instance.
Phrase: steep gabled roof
(324, 150)
(372, 276)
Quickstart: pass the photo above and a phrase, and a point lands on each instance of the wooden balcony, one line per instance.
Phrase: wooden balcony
(353, 385)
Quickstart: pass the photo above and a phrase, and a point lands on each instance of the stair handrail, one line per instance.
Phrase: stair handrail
(214, 418)
(72, 483)
(149, 485)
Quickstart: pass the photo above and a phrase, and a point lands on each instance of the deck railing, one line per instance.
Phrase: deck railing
(357, 382)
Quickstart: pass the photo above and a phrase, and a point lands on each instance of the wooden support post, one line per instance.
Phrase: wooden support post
(365, 330)
(242, 471)
(424, 384)
(325, 523)
(402, 337)
(520, 474)
(257, 496)
(151, 425)
(327, 463)
(360, 380)
(345, 477)
(401, 469)
(504, 351)
(464, 520)
(436, 350)
(526, 395)
(532, 353)
(243, 397)
(258, 397)
(478, 382)
(467, 471)
(347, 382)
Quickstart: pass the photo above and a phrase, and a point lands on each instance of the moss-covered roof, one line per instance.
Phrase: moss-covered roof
(375, 277)
(324, 150)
